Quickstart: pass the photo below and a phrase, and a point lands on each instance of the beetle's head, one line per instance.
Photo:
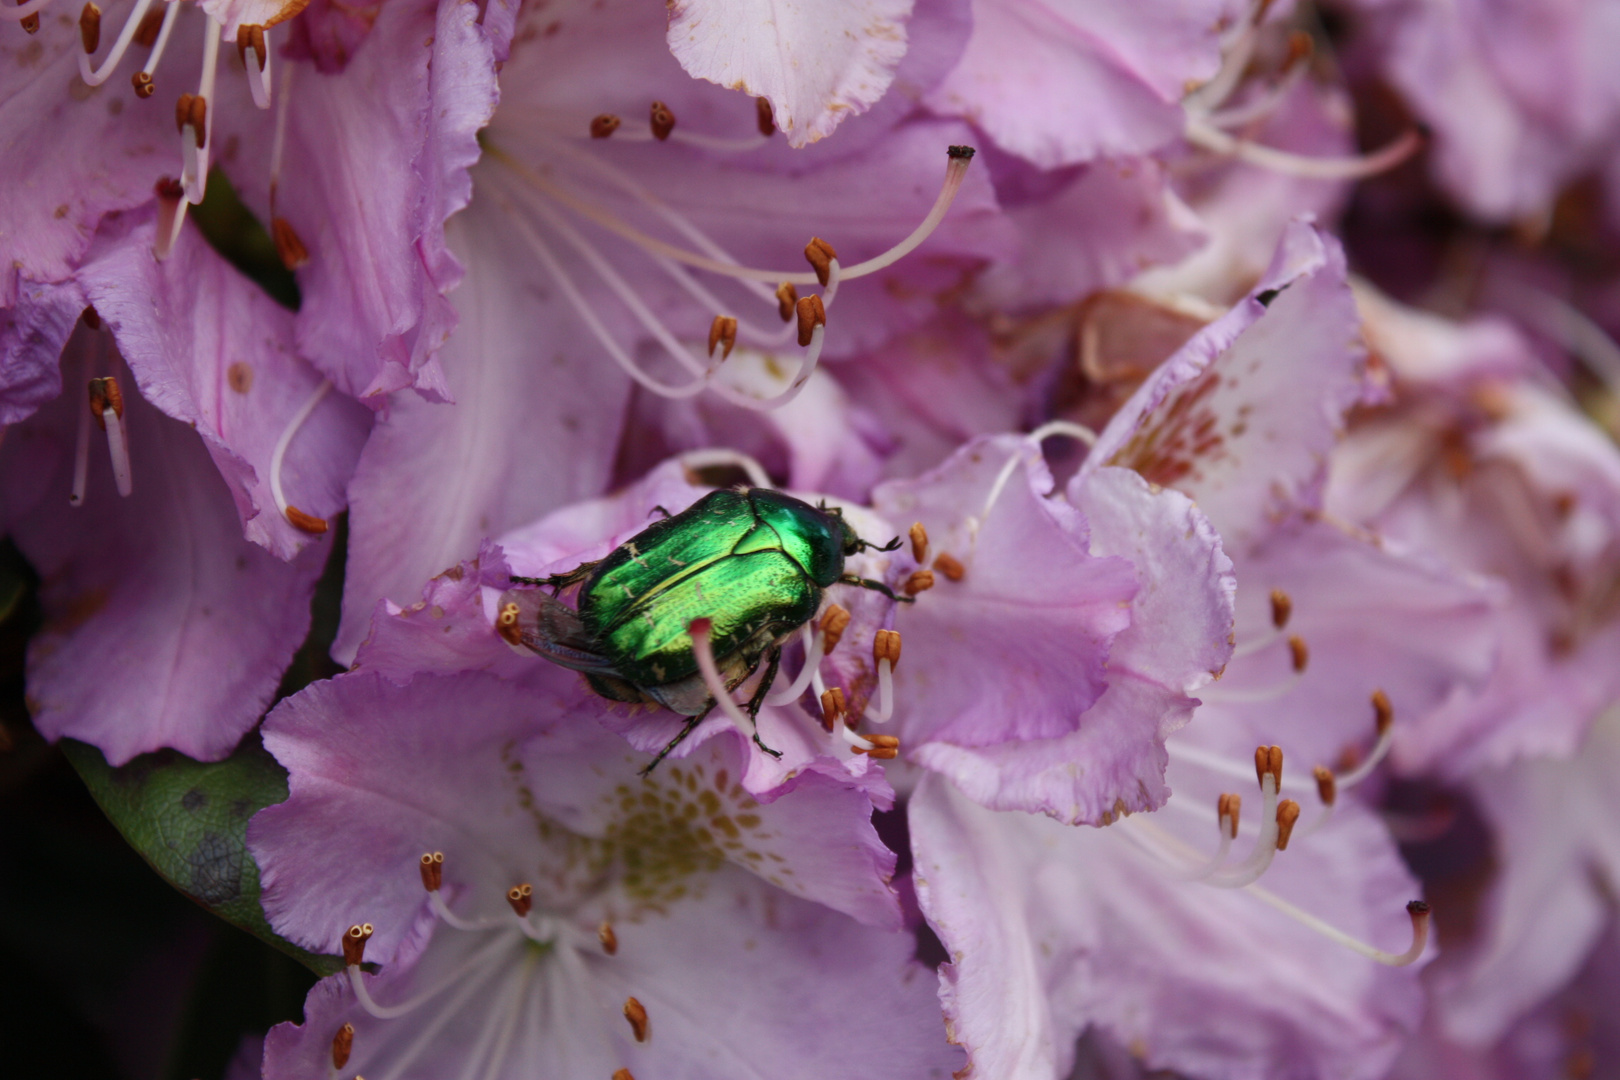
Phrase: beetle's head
(851, 543)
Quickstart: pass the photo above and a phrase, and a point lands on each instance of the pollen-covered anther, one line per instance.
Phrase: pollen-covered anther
(432, 867)
(289, 246)
(1268, 761)
(884, 747)
(886, 646)
(623, 1074)
(142, 82)
(919, 541)
(833, 624)
(662, 120)
(306, 522)
(636, 1013)
(787, 300)
(833, 707)
(90, 28)
(146, 34)
(105, 396)
(723, 331)
(1287, 817)
(918, 581)
(354, 943)
(608, 939)
(812, 313)
(192, 109)
(1228, 808)
(342, 1046)
(947, 564)
(249, 36)
(1383, 711)
(1326, 785)
(1282, 606)
(820, 255)
(521, 897)
(604, 125)
(1299, 654)
(766, 116)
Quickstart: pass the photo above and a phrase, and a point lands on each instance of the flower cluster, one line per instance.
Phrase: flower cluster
(760, 537)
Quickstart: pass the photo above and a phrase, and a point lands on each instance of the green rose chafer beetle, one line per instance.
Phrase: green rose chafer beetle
(752, 561)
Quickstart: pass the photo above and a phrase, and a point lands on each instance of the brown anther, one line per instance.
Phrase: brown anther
(192, 109)
(143, 84)
(604, 125)
(251, 36)
(169, 189)
(1229, 806)
(766, 116)
(146, 33)
(820, 255)
(787, 300)
(90, 28)
(663, 121)
(1327, 786)
(609, 940)
(1300, 47)
(104, 395)
(884, 747)
(918, 581)
(1299, 654)
(833, 624)
(1287, 815)
(507, 623)
(521, 897)
(342, 1046)
(832, 706)
(1383, 711)
(354, 943)
(305, 522)
(29, 23)
(919, 541)
(723, 331)
(91, 318)
(432, 867)
(1282, 606)
(1417, 909)
(947, 564)
(812, 313)
(623, 1074)
(636, 1013)
(288, 244)
(886, 646)
(1268, 759)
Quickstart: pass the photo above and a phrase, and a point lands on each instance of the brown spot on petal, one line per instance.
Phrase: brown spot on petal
(240, 377)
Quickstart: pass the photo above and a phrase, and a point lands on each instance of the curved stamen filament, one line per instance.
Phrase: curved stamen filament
(292, 513)
(704, 653)
(814, 648)
(954, 172)
(584, 310)
(1383, 717)
(390, 1012)
(1418, 911)
(1226, 822)
(22, 11)
(95, 76)
(450, 918)
(746, 328)
(807, 367)
(1265, 846)
(81, 460)
(1262, 106)
(196, 147)
(1218, 696)
(1079, 432)
(171, 12)
(1203, 134)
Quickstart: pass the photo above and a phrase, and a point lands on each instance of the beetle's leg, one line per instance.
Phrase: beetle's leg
(559, 582)
(661, 510)
(772, 664)
(877, 586)
(691, 723)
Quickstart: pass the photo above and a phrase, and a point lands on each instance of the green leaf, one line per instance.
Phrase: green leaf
(188, 819)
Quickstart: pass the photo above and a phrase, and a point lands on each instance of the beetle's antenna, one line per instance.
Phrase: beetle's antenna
(867, 545)
(877, 586)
